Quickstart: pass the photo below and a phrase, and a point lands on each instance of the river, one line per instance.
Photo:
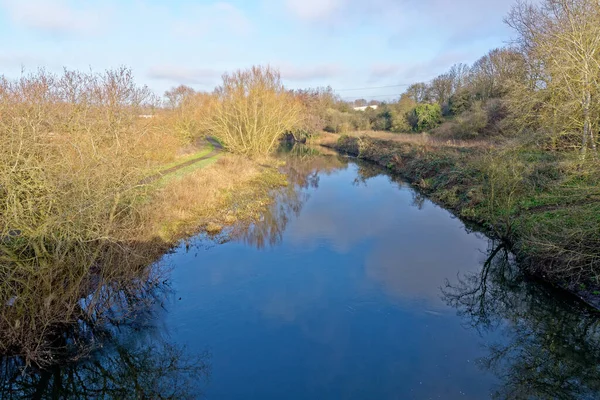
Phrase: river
(352, 286)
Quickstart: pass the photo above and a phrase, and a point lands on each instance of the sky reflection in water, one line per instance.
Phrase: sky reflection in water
(352, 286)
(346, 304)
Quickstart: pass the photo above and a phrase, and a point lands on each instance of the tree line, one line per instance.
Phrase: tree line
(545, 83)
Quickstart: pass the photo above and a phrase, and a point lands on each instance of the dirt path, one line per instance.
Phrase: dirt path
(216, 150)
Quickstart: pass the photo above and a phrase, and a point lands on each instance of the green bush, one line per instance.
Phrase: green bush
(360, 121)
(425, 117)
(382, 120)
(459, 102)
(400, 123)
(334, 121)
(468, 125)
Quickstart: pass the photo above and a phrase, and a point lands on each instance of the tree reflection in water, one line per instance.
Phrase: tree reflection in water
(365, 172)
(129, 359)
(303, 167)
(551, 344)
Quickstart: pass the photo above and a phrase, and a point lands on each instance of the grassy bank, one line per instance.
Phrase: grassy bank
(231, 189)
(44, 285)
(93, 191)
(545, 204)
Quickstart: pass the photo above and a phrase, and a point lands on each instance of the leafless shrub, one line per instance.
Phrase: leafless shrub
(186, 112)
(252, 112)
(72, 150)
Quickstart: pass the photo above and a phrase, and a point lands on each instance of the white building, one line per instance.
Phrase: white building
(374, 107)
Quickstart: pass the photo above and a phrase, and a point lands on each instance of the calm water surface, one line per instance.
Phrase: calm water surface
(347, 302)
(356, 287)
(353, 286)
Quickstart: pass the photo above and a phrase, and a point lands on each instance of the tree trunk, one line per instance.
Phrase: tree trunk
(587, 128)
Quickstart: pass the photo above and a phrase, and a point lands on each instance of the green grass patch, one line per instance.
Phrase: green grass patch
(180, 173)
(201, 153)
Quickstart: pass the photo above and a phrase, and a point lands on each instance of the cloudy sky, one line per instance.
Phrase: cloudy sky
(347, 44)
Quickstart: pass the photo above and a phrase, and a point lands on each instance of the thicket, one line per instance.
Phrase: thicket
(249, 113)
(73, 150)
(252, 111)
(184, 112)
(82, 220)
(544, 84)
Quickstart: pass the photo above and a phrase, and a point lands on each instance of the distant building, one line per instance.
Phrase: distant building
(374, 107)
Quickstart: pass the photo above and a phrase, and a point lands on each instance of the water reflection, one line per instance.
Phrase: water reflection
(304, 167)
(550, 346)
(129, 358)
(366, 171)
(348, 302)
(126, 369)
(346, 305)
(405, 271)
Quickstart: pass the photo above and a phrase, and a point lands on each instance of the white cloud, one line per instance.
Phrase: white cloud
(419, 70)
(385, 70)
(54, 16)
(210, 77)
(456, 18)
(184, 75)
(203, 20)
(306, 73)
(314, 9)
(15, 60)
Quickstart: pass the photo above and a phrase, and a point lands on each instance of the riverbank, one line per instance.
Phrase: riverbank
(96, 187)
(207, 198)
(61, 278)
(545, 204)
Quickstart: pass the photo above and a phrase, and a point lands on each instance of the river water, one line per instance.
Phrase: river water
(352, 286)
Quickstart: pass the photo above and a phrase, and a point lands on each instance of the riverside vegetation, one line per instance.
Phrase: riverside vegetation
(511, 141)
(86, 209)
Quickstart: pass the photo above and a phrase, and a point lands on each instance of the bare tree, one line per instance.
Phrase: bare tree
(419, 92)
(491, 74)
(442, 88)
(253, 111)
(177, 95)
(563, 36)
(460, 75)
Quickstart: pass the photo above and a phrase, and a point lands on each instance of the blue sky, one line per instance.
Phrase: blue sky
(343, 43)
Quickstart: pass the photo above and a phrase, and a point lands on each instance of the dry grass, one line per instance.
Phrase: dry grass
(418, 139)
(232, 189)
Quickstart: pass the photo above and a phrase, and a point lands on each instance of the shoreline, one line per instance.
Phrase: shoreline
(416, 165)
